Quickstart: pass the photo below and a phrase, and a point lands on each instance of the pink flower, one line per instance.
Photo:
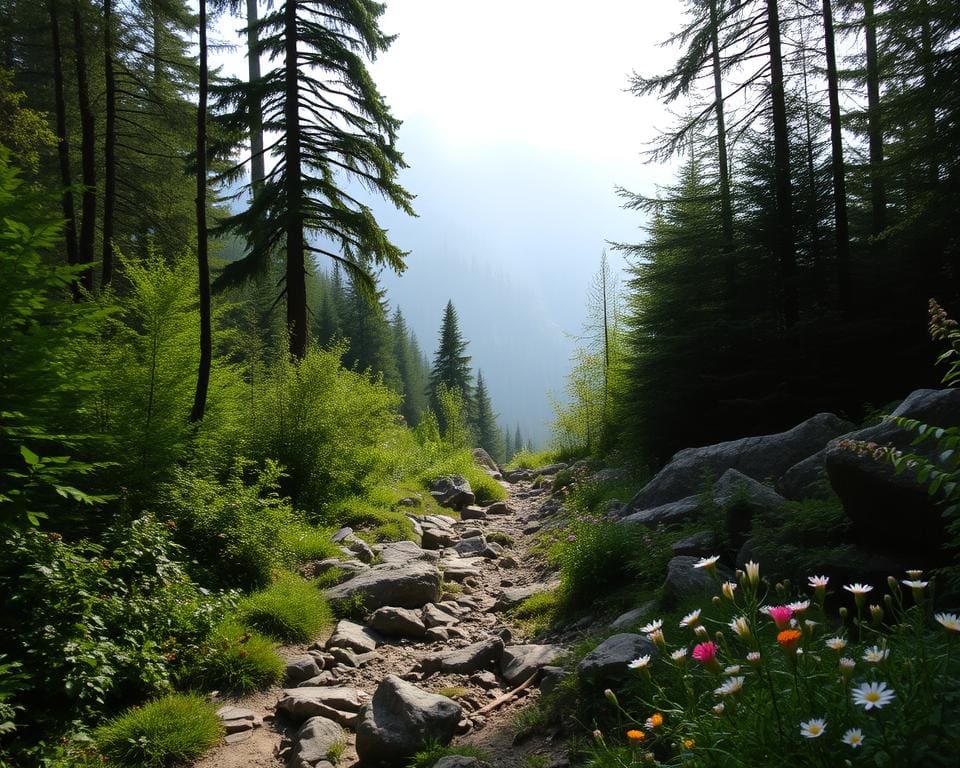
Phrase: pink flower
(781, 615)
(705, 653)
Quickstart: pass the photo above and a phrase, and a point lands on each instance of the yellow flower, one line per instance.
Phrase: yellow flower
(689, 743)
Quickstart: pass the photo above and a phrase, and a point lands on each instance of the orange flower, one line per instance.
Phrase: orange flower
(688, 743)
(636, 737)
(789, 638)
(656, 719)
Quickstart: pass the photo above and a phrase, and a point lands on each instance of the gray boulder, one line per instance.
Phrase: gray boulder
(672, 513)
(876, 500)
(473, 513)
(349, 634)
(336, 703)
(684, 581)
(699, 544)
(609, 660)
(453, 491)
(434, 537)
(486, 462)
(397, 622)
(518, 662)
(741, 498)
(473, 545)
(434, 616)
(400, 719)
(404, 552)
(551, 677)
(499, 508)
(477, 656)
(407, 585)
(300, 669)
(314, 743)
(806, 479)
(634, 616)
(761, 457)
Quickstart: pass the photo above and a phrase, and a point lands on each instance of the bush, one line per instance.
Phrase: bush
(234, 660)
(290, 609)
(162, 733)
(234, 531)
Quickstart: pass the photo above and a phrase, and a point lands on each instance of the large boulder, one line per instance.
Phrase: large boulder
(518, 662)
(399, 720)
(762, 457)
(475, 657)
(398, 622)
(486, 462)
(673, 513)
(404, 552)
(408, 585)
(315, 741)
(886, 508)
(741, 498)
(806, 479)
(453, 491)
(357, 637)
(340, 704)
(609, 661)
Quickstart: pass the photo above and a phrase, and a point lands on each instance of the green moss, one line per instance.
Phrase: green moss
(171, 730)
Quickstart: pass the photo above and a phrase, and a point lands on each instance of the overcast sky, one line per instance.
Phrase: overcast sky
(517, 128)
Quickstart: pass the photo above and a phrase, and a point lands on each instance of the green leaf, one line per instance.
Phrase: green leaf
(29, 456)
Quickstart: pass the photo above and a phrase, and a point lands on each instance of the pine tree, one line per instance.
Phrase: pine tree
(368, 335)
(332, 125)
(450, 366)
(507, 445)
(406, 352)
(517, 441)
(486, 433)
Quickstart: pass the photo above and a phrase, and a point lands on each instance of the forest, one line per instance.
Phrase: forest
(202, 378)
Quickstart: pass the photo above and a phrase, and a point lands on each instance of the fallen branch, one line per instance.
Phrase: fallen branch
(508, 696)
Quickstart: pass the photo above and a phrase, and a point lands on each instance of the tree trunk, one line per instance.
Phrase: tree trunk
(109, 146)
(783, 228)
(878, 194)
(88, 150)
(296, 282)
(203, 264)
(63, 142)
(726, 206)
(256, 114)
(842, 229)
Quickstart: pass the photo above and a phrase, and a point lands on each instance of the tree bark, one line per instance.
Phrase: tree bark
(726, 206)
(257, 172)
(109, 145)
(841, 225)
(203, 263)
(63, 141)
(783, 227)
(296, 282)
(88, 150)
(878, 194)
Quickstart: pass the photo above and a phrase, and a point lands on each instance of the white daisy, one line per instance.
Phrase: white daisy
(679, 655)
(853, 737)
(835, 643)
(876, 654)
(691, 619)
(731, 686)
(648, 628)
(813, 728)
(818, 582)
(858, 589)
(707, 562)
(872, 695)
(950, 621)
(639, 663)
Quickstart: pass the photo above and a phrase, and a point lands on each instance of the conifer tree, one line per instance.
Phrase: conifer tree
(507, 445)
(517, 441)
(486, 433)
(451, 367)
(413, 376)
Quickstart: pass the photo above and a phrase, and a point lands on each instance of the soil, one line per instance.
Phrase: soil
(496, 734)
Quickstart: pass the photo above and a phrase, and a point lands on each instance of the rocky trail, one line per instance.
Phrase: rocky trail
(435, 656)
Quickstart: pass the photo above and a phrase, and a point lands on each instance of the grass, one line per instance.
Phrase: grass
(165, 732)
(537, 612)
(431, 752)
(336, 751)
(235, 660)
(501, 538)
(306, 542)
(290, 609)
(486, 489)
(372, 520)
(532, 460)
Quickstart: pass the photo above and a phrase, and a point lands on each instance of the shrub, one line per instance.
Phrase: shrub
(162, 733)
(290, 609)
(234, 660)
(794, 682)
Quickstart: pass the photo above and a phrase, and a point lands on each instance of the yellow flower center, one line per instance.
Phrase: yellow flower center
(872, 696)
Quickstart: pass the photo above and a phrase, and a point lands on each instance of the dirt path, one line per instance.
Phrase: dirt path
(494, 732)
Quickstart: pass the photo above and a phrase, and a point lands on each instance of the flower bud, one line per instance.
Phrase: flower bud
(611, 697)
(715, 599)
(843, 613)
(598, 736)
(876, 615)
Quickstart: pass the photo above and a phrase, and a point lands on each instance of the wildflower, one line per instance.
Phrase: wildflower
(598, 736)
(656, 637)
(679, 655)
(611, 697)
(640, 663)
(846, 667)
(718, 708)
(870, 695)
(915, 574)
(754, 657)
(810, 626)
(701, 631)
(835, 643)
(781, 615)
(652, 626)
(853, 737)
(876, 614)
(915, 583)
(635, 737)
(876, 654)
(705, 653)
(654, 721)
(818, 582)
(691, 619)
(689, 743)
(798, 606)
(710, 563)
(731, 686)
(949, 621)
(858, 591)
(789, 638)
(728, 588)
(753, 573)
(733, 669)
(572, 537)
(813, 728)
(741, 627)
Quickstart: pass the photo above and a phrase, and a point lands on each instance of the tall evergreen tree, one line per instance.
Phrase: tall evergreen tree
(413, 376)
(486, 433)
(368, 334)
(332, 125)
(451, 367)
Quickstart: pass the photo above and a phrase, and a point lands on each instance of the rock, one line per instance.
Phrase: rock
(486, 680)
(406, 585)
(404, 552)
(457, 761)
(532, 527)
(411, 502)
(499, 508)
(684, 581)
(300, 669)
(361, 549)
(492, 551)
(397, 622)
(878, 502)
(437, 538)
(550, 469)
(337, 703)
(671, 513)
(609, 660)
(471, 546)
(400, 719)
(324, 678)
(467, 533)
(230, 712)
(437, 635)
(515, 595)
(806, 479)
(699, 544)
(437, 617)
(453, 491)
(458, 570)
(484, 460)
(348, 657)
(633, 616)
(349, 634)
(520, 661)
(741, 499)
(762, 457)
(237, 726)
(481, 655)
(508, 562)
(473, 513)
(236, 738)
(516, 475)
(551, 677)
(314, 742)
(342, 535)
(317, 568)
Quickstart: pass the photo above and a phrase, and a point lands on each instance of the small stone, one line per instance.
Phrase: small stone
(485, 680)
(398, 622)
(492, 551)
(342, 535)
(473, 513)
(436, 617)
(236, 738)
(237, 726)
(229, 712)
(361, 549)
(437, 634)
(499, 508)
(300, 669)
(346, 656)
(508, 561)
(357, 637)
